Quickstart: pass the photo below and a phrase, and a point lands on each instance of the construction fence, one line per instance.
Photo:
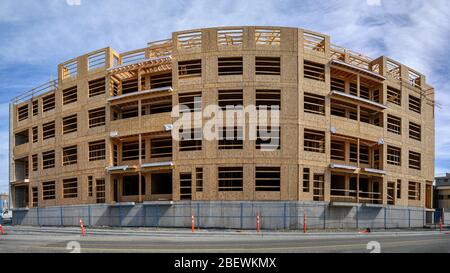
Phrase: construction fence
(229, 215)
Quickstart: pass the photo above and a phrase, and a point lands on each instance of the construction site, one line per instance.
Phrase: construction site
(355, 139)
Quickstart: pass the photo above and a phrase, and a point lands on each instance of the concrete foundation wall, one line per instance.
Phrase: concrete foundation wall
(233, 215)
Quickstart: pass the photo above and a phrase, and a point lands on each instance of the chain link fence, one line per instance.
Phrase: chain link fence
(229, 215)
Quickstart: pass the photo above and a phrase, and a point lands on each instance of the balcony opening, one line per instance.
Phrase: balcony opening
(350, 188)
(393, 70)
(267, 179)
(337, 150)
(231, 138)
(344, 109)
(34, 163)
(161, 80)
(414, 191)
(199, 179)
(414, 160)
(230, 37)
(314, 71)
(270, 37)
(157, 105)
(314, 104)
(189, 69)
(130, 150)
(230, 178)
(35, 134)
(22, 171)
(314, 141)
(391, 193)
(100, 191)
(268, 138)
(97, 117)
(97, 60)
(161, 183)
(338, 188)
(415, 131)
(414, 78)
(130, 86)
(306, 179)
(91, 186)
(268, 99)
(48, 160)
(70, 188)
(338, 85)
(232, 99)
(70, 69)
(369, 190)
(49, 190)
(394, 155)
(161, 147)
(230, 66)
(369, 116)
(114, 87)
(22, 112)
(185, 186)
(267, 65)
(191, 140)
(35, 106)
(318, 187)
(70, 155)
(35, 197)
(190, 102)
(189, 40)
(394, 95)
(344, 150)
(97, 87)
(130, 185)
(48, 130)
(124, 111)
(161, 48)
(394, 124)
(21, 197)
(48, 103)
(69, 95)
(415, 104)
(21, 137)
(70, 124)
(313, 42)
(97, 150)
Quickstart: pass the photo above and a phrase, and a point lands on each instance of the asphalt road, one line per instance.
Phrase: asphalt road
(66, 240)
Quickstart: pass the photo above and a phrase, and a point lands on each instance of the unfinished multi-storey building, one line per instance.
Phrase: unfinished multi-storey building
(352, 129)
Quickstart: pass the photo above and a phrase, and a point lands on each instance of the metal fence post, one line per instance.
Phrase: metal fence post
(89, 215)
(120, 215)
(324, 217)
(144, 221)
(357, 217)
(242, 215)
(61, 215)
(409, 218)
(385, 218)
(198, 215)
(38, 219)
(158, 216)
(423, 217)
(285, 215)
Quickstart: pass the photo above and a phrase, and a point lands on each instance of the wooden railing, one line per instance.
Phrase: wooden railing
(41, 89)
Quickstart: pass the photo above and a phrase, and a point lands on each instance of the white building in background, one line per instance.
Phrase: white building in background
(442, 191)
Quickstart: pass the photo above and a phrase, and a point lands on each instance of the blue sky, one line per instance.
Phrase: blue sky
(37, 35)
